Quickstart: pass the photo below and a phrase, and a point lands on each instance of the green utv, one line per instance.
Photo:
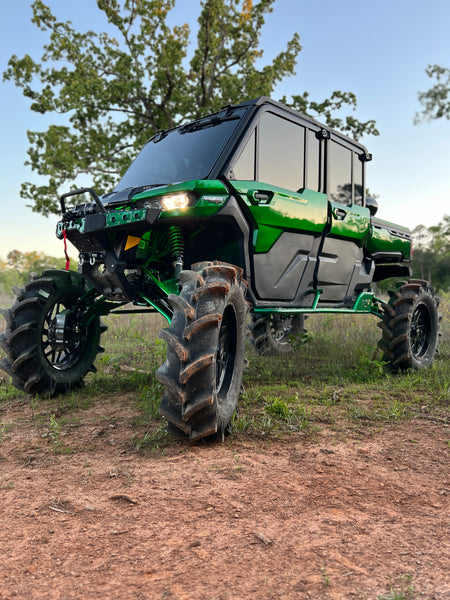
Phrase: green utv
(257, 209)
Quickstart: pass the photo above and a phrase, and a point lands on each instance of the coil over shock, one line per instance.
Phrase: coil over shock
(177, 249)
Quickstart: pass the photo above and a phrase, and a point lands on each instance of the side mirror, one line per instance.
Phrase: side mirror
(372, 205)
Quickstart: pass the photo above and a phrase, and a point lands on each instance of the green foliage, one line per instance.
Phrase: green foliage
(18, 265)
(431, 258)
(436, 100)
(278, 408)
(154, 439)
(150, 399)
(8, 279)
(118, 87)
(327, 110)
(27, 262)
(7, 391)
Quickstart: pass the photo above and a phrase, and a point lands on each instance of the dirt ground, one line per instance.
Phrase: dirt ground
(333, 515)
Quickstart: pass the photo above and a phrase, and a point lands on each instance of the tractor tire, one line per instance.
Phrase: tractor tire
(411, 326)
(47, 351)
(203, 369)
(271, 334)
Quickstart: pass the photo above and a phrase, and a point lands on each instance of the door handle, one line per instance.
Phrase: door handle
(260, 196)
(339, 214)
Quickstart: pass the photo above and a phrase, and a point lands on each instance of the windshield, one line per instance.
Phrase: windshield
(182, 154)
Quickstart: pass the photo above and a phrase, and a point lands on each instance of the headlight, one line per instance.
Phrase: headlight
(175, 202)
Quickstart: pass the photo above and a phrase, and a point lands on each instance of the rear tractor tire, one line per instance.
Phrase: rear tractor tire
(47, 351)
(411, 326)
(271, 335)
(203, 369)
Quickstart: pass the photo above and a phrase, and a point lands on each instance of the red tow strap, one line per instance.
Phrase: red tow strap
(65, 250)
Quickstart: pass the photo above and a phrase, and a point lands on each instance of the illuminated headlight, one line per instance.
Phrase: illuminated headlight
(175, 202)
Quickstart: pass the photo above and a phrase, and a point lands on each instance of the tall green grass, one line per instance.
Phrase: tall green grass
(338, 374)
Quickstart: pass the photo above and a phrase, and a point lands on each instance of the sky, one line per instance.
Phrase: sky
(377, 49)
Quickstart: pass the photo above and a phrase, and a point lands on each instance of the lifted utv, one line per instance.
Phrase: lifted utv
(254, 208)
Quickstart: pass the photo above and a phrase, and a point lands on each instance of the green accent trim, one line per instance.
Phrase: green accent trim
(77, 224)
(124, 217)
(98, 308)
(169, 286)
(365, 303)
(102, 306)
(158, 308)
(143, 247)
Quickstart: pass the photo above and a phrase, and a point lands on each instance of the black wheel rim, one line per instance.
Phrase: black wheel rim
(226, 353)
(420, 331)
(280, 329)
(62, 343)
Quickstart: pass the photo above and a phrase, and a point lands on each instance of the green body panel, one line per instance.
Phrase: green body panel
(350, 222)
(194, 212)
(387, 237)
(202, 186)
(283, 211)
(210, 195)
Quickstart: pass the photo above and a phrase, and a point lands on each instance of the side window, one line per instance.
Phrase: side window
(358, 167)
(312, 161)
(281, 152)
(244, 169)
(339, 161)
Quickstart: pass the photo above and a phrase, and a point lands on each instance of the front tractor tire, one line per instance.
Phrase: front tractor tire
(206, 340)
(48, 352)
(411, 326)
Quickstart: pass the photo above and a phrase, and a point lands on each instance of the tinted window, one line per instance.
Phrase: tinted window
(339, 173)
(181, 155)
(245, 166)
(312, 161)
(358, 166)
(281, 149)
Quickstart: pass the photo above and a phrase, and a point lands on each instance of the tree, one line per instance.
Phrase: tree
(27, 262)
(14, 271)
(436, 100)
(431, 258)
(118, 88)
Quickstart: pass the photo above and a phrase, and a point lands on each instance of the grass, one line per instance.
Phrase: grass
(335, 377)
(338, 375)
(403, 590)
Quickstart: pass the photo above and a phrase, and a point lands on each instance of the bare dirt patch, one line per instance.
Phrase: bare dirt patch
(335, 515)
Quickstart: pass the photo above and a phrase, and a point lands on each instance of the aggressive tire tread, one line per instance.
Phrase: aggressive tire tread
(410, 326)
(203, 369)
(36, 361)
